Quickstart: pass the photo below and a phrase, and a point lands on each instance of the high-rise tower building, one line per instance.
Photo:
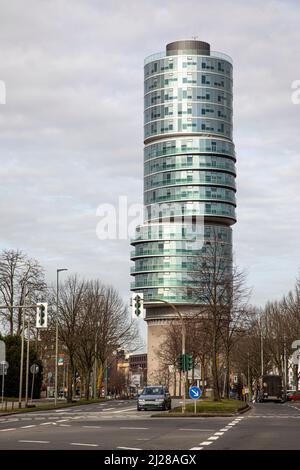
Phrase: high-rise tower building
(189, 177)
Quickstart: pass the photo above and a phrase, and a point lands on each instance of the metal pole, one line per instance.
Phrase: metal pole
(261, 349)
(32, 385)
(285, 368)
(95, 369)
(56, 333)
(22, 348)
(183, 353)
(27, 361)
(105, 377)
(3, 375)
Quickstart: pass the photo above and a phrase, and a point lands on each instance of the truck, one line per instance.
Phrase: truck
(270, 388)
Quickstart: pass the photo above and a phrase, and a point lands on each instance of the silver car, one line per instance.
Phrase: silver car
(154, 397)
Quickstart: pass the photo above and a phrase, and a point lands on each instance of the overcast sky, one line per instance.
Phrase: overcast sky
(72, 127)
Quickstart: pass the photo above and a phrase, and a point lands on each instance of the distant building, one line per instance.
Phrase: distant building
(138, 367)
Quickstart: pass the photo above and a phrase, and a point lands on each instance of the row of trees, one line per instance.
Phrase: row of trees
(226, 333)
(268, 343)
(93, 321)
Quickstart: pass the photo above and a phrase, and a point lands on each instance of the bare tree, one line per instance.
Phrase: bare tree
(71, 304)
(17, 273)
(222, 296)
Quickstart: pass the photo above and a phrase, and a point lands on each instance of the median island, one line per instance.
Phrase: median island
(209, 408)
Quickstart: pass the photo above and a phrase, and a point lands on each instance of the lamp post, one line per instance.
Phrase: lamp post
(56, 332)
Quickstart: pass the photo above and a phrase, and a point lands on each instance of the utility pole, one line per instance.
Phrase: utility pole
(22, 347)
(27, 361)
(261, 348)
(56, 332)
(285, 368)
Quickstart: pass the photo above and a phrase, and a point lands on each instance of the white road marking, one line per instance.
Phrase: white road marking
(213, 438)
(65, 425)
(109, 409)
(196, 448)
(129, 448)
(97, 427)
(30, 426)
(224, 429)
(128, 427)
(205, 443)
(219, 433)
(126, 409)
(45, 424)
(81, 444)
(195, 429)
(10, 429)
(35, 442)
(62, 420)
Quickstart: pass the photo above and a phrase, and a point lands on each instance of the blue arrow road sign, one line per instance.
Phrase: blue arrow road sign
(195, 393)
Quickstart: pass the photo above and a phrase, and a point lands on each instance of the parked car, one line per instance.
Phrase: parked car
(295, 396)
(154, 397)
(233, 394)
(289, 393)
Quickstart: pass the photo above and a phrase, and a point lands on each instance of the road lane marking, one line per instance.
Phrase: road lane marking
(96, 427)
(128, 427)
(62, 420)
(224, 429)
(109, 409)
(205, 443)
(65, 425)
(190, 429)
(82, 444)
(196, 448)
(129, 448)
(35, 442)
(219, 433)
(213, 438)
(30, 426)
(126, 409)
(10, 429)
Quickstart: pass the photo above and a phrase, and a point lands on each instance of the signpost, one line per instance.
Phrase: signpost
(2, 351)
(195, 393)
(3, 371)
(34, 370)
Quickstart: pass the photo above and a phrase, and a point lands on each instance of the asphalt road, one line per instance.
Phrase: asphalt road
(118, 425)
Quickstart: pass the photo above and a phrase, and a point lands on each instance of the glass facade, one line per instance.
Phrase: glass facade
(189, 169)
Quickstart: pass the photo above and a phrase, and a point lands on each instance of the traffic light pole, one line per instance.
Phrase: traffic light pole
(183, 336)
(56, 333)
(27, 362)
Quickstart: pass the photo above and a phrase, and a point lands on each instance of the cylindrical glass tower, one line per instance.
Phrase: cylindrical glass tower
(189, 171)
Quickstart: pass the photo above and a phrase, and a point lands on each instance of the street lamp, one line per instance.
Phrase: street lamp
(56, 332)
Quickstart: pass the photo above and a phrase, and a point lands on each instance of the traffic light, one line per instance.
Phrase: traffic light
(179, 362)
(41, 315)
(189, 362)
(137, 304)
(184, 362)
